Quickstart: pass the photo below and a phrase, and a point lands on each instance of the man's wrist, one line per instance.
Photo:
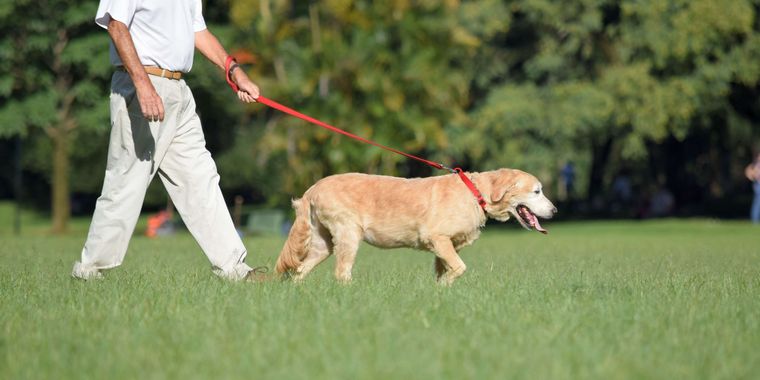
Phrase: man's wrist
(142, 83)
(229, 66)
(233, 68)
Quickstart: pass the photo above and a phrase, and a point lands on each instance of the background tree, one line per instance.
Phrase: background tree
(663, 91)
(622, 84)
(610, 85)
(53, 66)
(375, 68)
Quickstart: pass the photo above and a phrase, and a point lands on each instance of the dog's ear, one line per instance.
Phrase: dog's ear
(502, 182)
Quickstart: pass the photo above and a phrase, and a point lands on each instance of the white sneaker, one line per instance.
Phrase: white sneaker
(83, 272)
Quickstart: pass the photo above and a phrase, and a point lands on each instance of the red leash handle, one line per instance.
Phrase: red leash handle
(228, 75)
(292, 112)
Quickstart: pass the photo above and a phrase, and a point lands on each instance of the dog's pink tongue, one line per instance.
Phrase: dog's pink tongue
(532, 219)
(538, 227)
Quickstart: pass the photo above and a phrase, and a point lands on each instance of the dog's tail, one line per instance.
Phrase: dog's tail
(299, 238)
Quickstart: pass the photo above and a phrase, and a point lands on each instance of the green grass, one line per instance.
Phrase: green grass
(606, 300)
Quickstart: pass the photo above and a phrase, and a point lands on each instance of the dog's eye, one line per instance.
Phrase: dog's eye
(537, 191)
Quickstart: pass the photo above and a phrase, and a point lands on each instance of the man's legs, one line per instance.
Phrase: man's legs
(191, 179)
(133, 149)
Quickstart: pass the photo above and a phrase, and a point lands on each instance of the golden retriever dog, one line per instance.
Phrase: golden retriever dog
(437, 214)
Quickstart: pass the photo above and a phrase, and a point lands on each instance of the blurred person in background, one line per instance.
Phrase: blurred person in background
(662, 202)
(568, 179)
(753, 174)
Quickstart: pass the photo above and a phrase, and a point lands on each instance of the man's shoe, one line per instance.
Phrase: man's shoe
(259, 274)
(83, 272)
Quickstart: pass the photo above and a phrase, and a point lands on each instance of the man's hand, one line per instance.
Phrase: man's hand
(210, 47)
(150, 103)
(247, 90)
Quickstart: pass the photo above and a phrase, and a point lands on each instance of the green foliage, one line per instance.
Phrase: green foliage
(51, 50)
(529, 84)
(634, 73)
(53, 86)
(387, 79)
(661, 88)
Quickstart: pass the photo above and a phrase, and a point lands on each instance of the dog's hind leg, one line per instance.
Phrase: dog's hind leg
(446, 255)
(319, 250)
(346, 244)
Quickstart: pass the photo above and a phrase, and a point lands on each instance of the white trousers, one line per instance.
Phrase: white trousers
(176, 150)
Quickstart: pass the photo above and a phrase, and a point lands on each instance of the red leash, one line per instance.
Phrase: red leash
(271, 103)
(292, 112)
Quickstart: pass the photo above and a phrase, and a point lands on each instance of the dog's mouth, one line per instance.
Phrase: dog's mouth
(528, 219)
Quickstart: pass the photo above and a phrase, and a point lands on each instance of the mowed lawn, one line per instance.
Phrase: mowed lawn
(605, 300)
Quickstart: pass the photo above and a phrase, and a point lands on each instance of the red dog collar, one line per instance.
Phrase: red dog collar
(471, 186)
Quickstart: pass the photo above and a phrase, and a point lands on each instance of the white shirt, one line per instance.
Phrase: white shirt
(163, 31)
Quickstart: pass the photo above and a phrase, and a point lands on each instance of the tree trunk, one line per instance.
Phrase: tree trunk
(599, 160)
(60, 194)
(60, 134)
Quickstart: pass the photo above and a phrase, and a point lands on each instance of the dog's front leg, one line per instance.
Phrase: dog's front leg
(346, 244)
(440, 267)
(448, 264)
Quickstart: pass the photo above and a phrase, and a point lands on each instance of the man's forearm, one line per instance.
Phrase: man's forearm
(210, 47)
(125, 47)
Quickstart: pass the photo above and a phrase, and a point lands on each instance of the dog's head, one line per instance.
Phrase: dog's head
(517, 193)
